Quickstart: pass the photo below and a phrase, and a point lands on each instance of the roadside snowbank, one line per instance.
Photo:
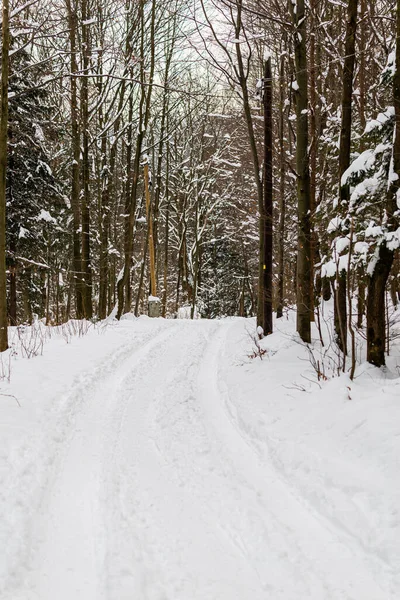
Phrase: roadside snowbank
(38, 408)
(336, 442)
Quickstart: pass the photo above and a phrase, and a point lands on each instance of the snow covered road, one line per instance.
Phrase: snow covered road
(154, 489)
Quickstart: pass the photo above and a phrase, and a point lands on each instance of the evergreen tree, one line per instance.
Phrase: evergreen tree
(34, 197)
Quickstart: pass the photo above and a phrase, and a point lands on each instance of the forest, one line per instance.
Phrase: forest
(200, 300)
(223, 157)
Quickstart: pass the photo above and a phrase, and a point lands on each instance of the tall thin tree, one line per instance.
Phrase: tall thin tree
(344, 161)
(282, 189)
(267, 216)
(85, 194)
(303, 174)
(376, 314)
(75, 142)
(3, 171)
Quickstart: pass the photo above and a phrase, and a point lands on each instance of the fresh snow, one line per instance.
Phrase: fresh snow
(44, 215)
(380, 121)
(155, 460)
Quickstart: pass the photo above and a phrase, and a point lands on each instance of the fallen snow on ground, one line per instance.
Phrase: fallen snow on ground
(154, 460)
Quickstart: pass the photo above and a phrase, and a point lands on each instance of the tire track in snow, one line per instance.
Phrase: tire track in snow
(199, 530)
(318, 542)
(67, 542)
(151, 498)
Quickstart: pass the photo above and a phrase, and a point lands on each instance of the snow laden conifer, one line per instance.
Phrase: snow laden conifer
(372, 214)
(33, 194)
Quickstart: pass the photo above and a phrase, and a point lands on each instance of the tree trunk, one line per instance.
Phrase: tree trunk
(75, 184)
(105, 210)
(129, 190)
(350, 304)
(303, 176)
(339, 304)
(12, 304)
(86, 262)
(57, 286)
(394, 285)
(340, 311)
(142, 270)
(103, 227)
(166, 240)
(43, 295)
(166, 251)
(360, 297)
(12, 233)
(376, 322)
(3, 172)
(282, 201)
(256, 163)
(153, 284)
(27, 295)
(267, 216)
(313, 154)
(376, 314)
(326, 289)
(363, 123)
(344, 159)
(124, 285)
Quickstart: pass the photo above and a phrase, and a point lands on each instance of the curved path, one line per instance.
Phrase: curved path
(157, 494)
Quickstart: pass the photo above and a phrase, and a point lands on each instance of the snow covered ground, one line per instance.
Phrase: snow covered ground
(154, 460)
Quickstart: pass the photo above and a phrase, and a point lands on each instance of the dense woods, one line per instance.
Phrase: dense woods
(233, 157)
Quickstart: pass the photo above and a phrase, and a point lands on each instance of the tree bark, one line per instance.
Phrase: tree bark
(267, 216)
(313, 153)
(166, 257)
(242, 77)
(303, 175)
(196, 266)
(360, 297)
(166, 239)
(363, 123)
(43, 295)
(75, 183)
(142, 270)
(153, 284)
(344, 160)
(13, 231)
(12, 308)
(376, 314)
(124, 285)
(109, 168)
(27, 295)
(85, 210)
(376, 321)
(282, 200)
(3, 172)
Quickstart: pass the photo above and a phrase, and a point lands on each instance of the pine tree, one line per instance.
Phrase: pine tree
(33, 195)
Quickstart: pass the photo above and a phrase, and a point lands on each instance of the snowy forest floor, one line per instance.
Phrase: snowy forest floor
(156, 460)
